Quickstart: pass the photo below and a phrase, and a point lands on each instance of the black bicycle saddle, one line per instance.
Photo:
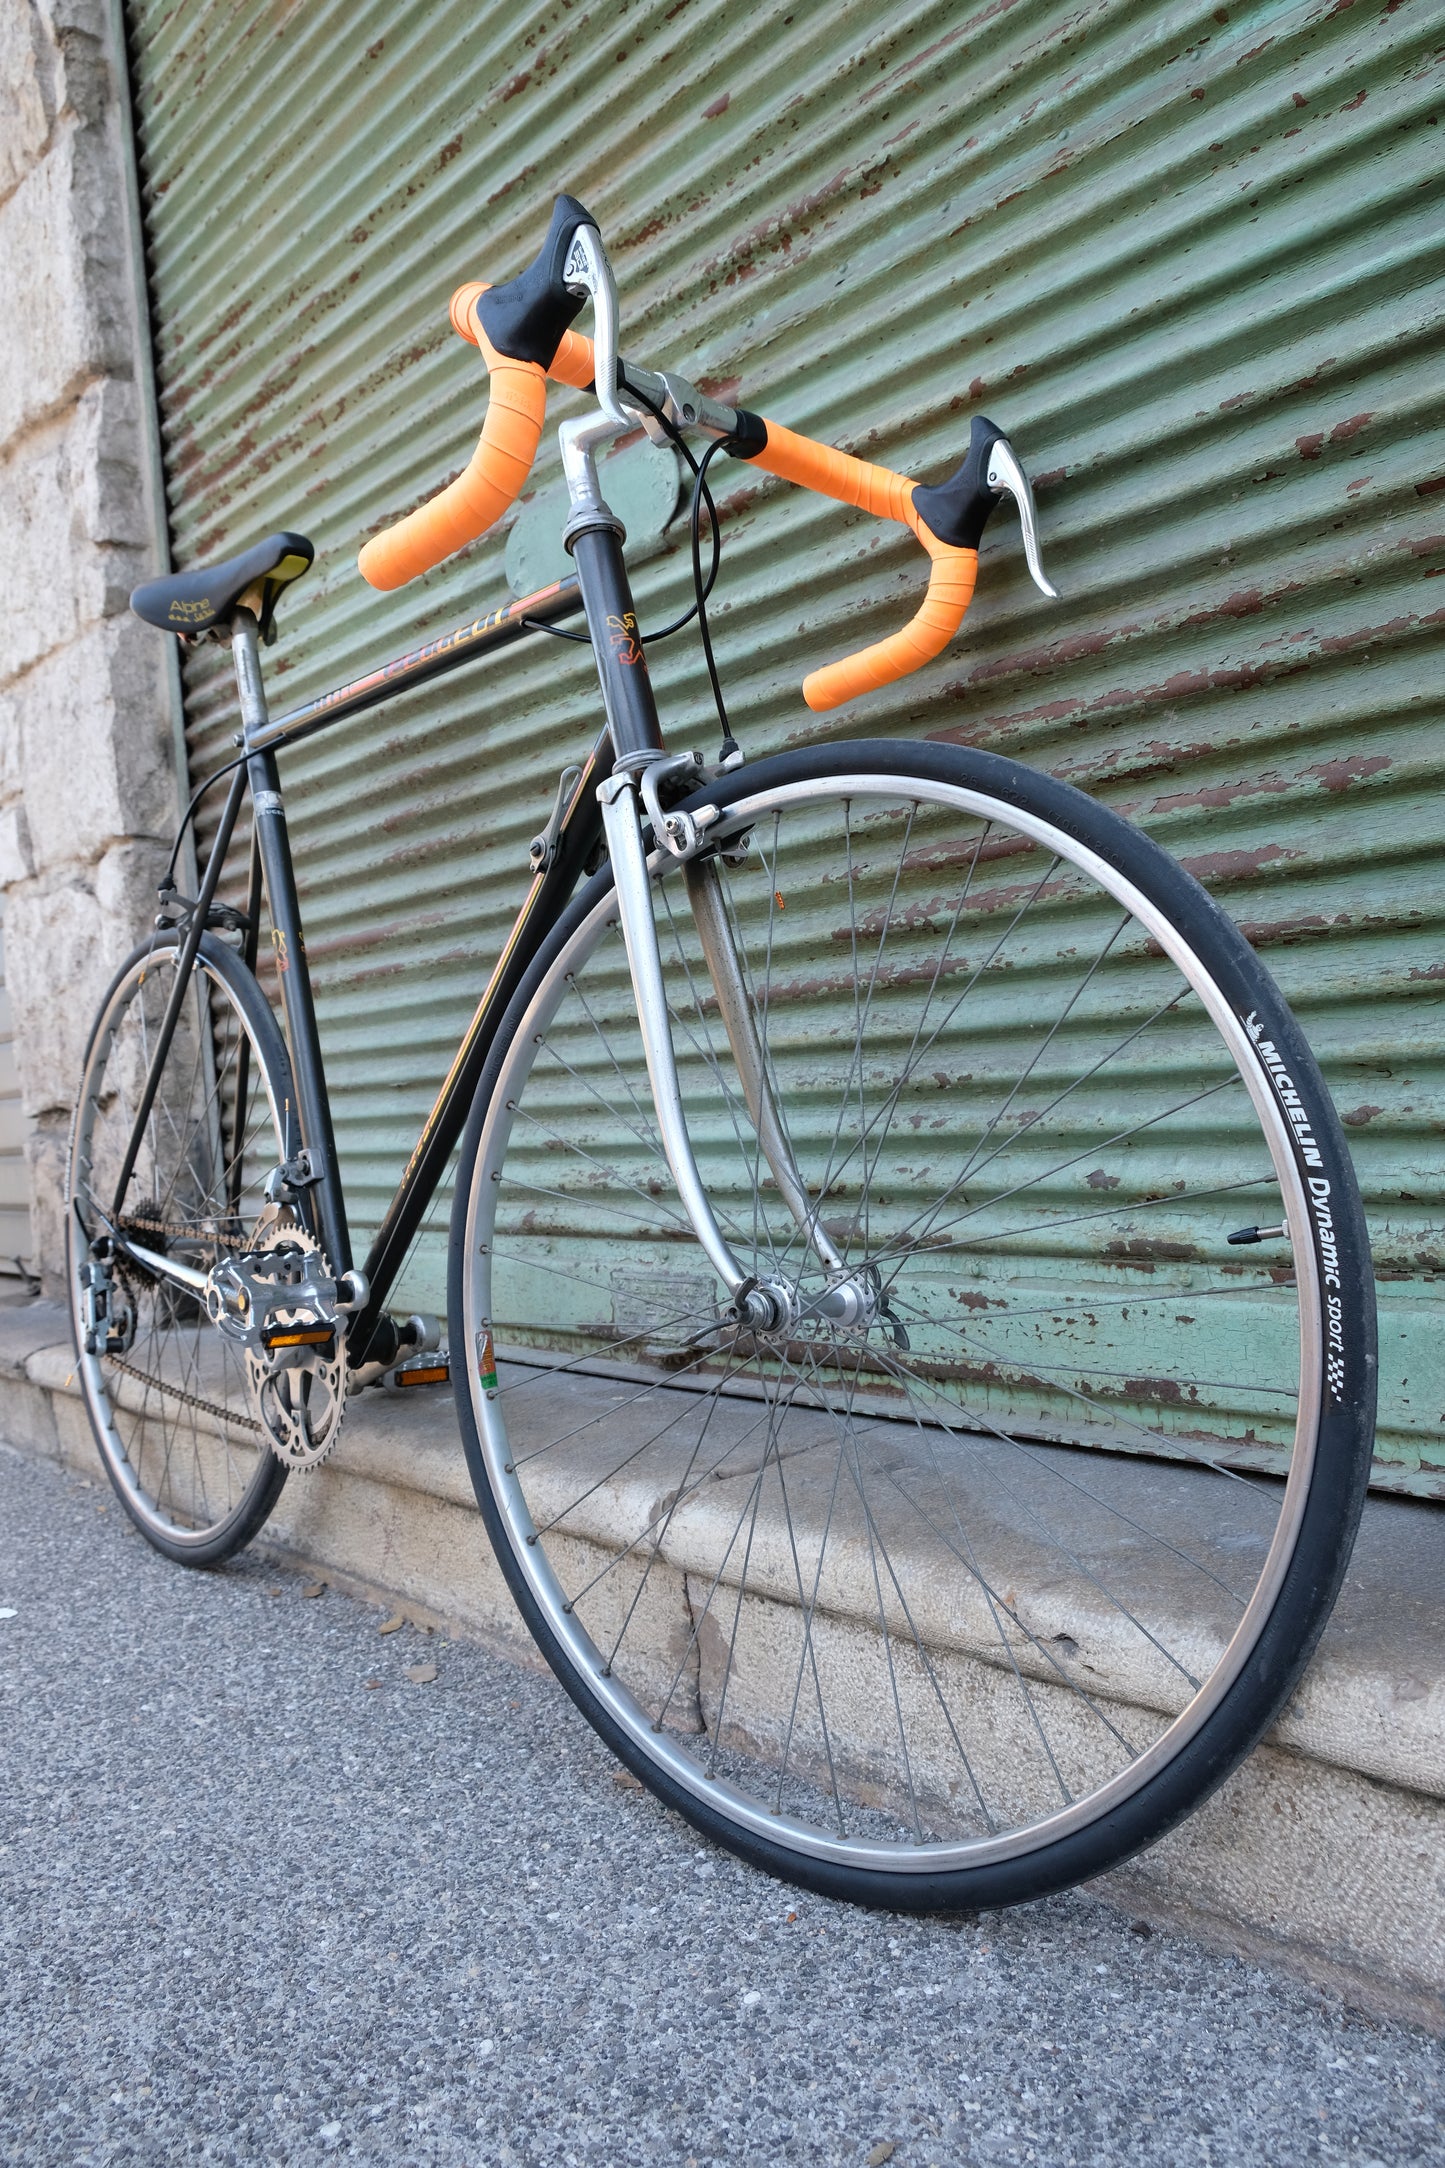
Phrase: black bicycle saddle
(192, 602)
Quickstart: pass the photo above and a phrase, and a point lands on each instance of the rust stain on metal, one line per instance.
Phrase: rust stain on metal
(228, 322)
(1238, 865)
(1149, 1250)
(1349, 768)
(1157, 1389)
(1216, 795)
(518, 180)
(1263, 933)
(1350, 427)
(356, 938)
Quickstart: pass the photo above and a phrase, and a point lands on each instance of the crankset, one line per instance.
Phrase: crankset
(277, 1299)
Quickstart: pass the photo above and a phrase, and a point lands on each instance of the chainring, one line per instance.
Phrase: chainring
(298, 1394)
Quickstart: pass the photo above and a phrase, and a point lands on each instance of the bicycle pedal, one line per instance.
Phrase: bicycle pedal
(284, 1336)
(429, 1370)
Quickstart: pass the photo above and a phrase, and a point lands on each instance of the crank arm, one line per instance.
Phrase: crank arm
(163, 1268)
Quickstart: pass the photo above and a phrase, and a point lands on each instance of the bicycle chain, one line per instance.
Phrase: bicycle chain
(190, 1400)
(186, 1234)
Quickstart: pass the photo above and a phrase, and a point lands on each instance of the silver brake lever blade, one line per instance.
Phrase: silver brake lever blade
(588, 270)
(1004, 472)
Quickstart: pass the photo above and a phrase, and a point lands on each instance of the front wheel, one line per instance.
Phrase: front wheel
(971, 1596)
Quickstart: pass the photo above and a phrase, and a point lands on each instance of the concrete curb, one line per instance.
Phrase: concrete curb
(1325, 1853)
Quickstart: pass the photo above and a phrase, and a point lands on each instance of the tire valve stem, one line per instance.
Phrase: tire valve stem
(1257, 1234)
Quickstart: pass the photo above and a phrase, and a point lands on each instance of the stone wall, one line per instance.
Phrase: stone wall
(87, 781)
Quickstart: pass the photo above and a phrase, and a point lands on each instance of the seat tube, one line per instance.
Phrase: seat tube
(288, 943)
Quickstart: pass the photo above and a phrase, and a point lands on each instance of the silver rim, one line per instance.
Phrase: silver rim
(995, 1595)
(171, 1413)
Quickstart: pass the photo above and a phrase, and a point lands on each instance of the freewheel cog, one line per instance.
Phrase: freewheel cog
(297, 1377)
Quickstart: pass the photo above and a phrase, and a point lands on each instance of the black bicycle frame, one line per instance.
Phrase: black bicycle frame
(601, 588)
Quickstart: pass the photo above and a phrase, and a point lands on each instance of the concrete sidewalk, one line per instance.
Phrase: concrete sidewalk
(1326, 1852)
(271, 1894)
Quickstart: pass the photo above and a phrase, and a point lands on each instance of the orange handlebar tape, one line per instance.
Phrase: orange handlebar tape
(495, 477)
(950, 591)
(571, 364)
(837, 474)
(887, 496)
(503, 460)
(499, 467)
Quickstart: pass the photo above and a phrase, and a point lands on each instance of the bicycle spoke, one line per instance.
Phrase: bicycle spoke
(951, 1552)
(172, 1393)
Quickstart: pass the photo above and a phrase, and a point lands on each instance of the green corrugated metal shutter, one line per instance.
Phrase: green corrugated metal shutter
(1188, 255)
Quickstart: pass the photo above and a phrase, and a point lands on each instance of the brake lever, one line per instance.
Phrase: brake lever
(1005, 473)
(957, 511)
(588, 272)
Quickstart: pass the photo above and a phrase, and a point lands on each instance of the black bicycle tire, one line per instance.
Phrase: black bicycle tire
(241, 1525)
(1341, 1467)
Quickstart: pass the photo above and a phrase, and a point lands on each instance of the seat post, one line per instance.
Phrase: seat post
(246, 662)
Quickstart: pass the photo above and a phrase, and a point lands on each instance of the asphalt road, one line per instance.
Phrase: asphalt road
(267, 1899)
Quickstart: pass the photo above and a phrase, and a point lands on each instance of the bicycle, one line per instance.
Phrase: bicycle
(888, 1440)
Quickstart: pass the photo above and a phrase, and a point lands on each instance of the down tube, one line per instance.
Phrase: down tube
(578, 838)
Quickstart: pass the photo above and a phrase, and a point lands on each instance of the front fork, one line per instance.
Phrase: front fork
(595, 536)
(765, 1303)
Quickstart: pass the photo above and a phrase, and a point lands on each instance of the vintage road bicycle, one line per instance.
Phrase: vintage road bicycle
(909, 1307)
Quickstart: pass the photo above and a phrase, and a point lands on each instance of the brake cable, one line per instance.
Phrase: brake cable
(166, 888)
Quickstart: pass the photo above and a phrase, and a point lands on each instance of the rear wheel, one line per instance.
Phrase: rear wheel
(977, 1596)
(167, 1397)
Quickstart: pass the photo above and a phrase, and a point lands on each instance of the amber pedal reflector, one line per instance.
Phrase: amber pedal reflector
(317, 1336)
(433, 1374)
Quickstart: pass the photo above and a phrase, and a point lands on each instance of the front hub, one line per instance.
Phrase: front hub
(851, 1302)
